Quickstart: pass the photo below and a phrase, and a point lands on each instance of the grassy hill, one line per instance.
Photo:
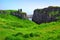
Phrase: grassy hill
(14, 28)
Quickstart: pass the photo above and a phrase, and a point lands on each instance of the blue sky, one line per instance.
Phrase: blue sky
(27, 5)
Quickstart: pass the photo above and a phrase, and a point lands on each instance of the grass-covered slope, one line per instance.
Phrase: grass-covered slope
(14, 28)
(10, 24)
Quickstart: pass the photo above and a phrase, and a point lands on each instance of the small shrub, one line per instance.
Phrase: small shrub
(34, 34)
(13, 38)
(50, 38)
(31, 34)
(26, 36)
(10, 38)
(18, 34)
(58, 37)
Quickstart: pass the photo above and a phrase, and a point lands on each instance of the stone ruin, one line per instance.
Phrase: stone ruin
(19, 14)
(16, 13)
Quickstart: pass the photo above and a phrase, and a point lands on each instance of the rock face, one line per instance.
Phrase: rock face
(19, 14)
(16, 13)
(46, 15)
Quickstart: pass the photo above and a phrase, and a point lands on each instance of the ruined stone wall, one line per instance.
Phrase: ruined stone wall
(16, 13)
(20, 14)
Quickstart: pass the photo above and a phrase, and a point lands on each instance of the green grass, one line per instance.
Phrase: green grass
(14, 28)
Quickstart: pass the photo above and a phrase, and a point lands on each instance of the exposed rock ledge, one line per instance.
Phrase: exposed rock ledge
(46, 15)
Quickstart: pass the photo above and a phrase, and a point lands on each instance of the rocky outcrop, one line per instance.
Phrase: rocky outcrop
(46, 15)
(19, 14)
(16, 13)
